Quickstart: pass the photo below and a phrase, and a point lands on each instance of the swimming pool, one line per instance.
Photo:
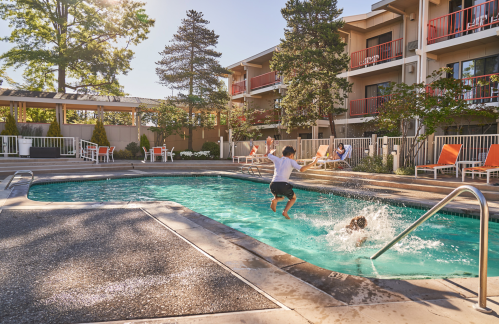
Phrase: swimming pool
(444, 246)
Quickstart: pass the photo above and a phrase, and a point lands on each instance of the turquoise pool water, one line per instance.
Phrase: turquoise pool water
(444, 246)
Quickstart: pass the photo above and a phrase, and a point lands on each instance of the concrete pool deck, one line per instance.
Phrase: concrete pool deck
(302, 292)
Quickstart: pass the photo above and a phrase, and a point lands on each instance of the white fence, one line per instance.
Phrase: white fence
(9, 145)
(279, 145)
(243, 148)
(67, 145)
(475, 147)
(359, 146)
(421, 156)
(309, 147)
(226, 150)
(89, 151)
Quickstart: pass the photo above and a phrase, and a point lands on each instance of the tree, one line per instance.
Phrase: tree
(99, 135)
(10, 126)
(54, 129)
(168, 119)
(144, 142)
(241, 120)
(434, 105)
(310, 58)
(75, 44)
(190, 65)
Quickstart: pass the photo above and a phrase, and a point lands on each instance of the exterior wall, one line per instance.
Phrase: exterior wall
(210, 135)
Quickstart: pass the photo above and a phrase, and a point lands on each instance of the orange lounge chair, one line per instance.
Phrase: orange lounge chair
(491, 164)
(321, 154)
(251, 156)
(448, 158)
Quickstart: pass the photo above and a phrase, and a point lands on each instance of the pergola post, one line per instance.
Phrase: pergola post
(138, 124)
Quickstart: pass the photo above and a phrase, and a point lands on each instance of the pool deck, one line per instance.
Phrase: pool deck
(56, 267)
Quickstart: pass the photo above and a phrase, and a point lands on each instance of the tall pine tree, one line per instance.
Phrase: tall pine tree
(310, 57)
(190, 65)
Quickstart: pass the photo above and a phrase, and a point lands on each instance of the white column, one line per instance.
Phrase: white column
(221, 147)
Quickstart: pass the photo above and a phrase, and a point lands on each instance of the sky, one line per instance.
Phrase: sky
(245, 28)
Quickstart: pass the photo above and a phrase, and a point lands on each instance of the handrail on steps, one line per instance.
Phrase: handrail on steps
(250, 168)
(18, 172)
(481, 306)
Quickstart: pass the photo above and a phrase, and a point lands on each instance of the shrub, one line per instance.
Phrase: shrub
(410, 170)
(28, 130)
(99, 136)
(144, 142)
(54, 129)
(374, 165)
(134, 148)
(213, 147)
(10, 126)
(123, 155)
(191, 155)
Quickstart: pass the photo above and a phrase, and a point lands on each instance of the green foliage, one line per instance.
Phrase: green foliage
(374, 165)
(310, 58)
(10, 126)
(29, 130)
(190, 65)
(213, 147)
(409, 170)
(39, 115)
(435, 105)
(134, 148)
(54, 129)
(144, 142)
(168, 119)
(81, 45)
(123, 155)
(240, 119)
(99, 136)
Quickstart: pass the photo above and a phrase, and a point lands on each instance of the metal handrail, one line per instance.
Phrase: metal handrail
(16, 173)
(250, 168)
(481, 306)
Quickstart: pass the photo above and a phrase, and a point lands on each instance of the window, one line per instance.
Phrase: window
(380, 39)
(471, 129)
(381, 53)
(376, 90)
(305, 135)
(277, 137)
(455, 70)
(473, 69)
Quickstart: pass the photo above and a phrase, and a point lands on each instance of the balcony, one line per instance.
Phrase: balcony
(267, 117)
(483, 91)
(265, 80)
(238, 87)
(378, 54)
(463, 22)
(367, 106)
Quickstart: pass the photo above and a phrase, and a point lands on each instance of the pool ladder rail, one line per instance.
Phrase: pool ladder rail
(249, 169)
(481, 306)
(20, 172)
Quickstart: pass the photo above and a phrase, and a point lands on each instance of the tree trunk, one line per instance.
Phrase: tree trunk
(332, 126)
(61, 79)
(191, 90)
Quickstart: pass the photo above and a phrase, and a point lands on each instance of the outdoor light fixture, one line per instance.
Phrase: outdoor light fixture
(366, 151)
(394, 152)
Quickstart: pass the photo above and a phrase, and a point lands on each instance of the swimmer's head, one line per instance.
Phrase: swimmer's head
(358, 222)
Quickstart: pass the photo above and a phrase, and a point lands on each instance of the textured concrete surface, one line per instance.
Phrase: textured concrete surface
(107, 264)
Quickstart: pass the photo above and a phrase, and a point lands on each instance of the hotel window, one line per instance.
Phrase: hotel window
(455, 70)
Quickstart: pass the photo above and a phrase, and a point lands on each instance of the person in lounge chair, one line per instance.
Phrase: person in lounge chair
(338, 153)
(357, 224)
(283, 167)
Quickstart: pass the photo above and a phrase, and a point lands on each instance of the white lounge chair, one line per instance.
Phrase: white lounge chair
(252, 155)
(169, 154)
(347, 155)
(146, 153)
(111, 153)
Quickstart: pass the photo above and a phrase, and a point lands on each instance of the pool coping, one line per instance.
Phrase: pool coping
(344, 288)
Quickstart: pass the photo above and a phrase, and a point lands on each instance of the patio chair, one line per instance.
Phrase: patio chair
(251, 155)
(158, 151)
(321, 153)
(448, 158)
(111, 152)
(490, 165)
(146, 153)
(477, 22)
(169, 154)
(104, 152)
(347, 155)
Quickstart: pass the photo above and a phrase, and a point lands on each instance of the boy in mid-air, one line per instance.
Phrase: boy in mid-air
(283, 167)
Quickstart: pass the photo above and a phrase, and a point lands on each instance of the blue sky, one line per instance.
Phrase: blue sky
(245, 28)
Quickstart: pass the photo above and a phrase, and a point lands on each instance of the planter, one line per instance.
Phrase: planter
(24, 146)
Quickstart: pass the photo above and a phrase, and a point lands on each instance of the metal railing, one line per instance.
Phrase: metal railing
(484, 238)
(89, 151)
(381, 53)
(483, 89)
(475, 147)
(419, 158)
(238, 87)
(9, 145)
(359, 146)
(19, 172)
(265, 80)
(249, 169)
(67, 145)
(367, 106)
(463, 22)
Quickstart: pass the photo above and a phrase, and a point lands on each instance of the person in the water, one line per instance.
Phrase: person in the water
(357, 224)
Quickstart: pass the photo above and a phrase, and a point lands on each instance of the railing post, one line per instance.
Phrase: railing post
(431, 143)
(374, 142)
(298, 147)
(331, 145)
(77, 147)
(385, 150)
(221, 147)
(396, 157)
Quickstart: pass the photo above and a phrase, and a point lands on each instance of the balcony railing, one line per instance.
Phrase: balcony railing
(265, 80)
(381, 53)
(238, 87)
(267, 117)
(463, 22)
(483, 90)
(367, 106)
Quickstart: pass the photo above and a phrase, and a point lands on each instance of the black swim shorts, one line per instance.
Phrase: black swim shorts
(282, 189)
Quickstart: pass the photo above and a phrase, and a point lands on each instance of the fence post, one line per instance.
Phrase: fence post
(221, 147)
(385, 150)
(298, 147)
(374, 143)
(233, 149)
(77, 147)
(396, 157)
(331, 145)
(431, 144)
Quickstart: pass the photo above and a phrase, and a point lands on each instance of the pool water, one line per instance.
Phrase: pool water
(444, 246)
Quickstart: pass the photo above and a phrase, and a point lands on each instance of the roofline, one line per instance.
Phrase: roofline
(270, 50)
(353, 18)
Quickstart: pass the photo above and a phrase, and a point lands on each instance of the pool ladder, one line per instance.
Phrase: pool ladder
(20, 172)
(249, 168)
(481, 306)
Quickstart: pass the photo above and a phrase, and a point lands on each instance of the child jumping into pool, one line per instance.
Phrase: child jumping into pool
(357, 224)
(283, 167)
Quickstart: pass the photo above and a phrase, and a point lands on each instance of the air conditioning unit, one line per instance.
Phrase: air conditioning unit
(410, 68)
(412, 46)
(412, 16)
